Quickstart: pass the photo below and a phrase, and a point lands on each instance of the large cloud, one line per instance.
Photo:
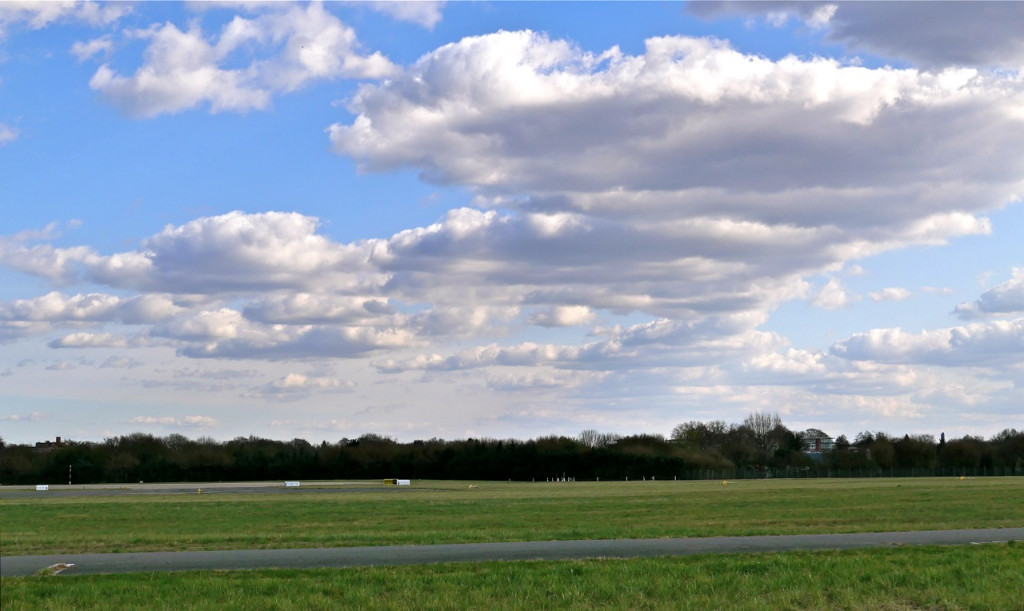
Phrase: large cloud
(94, 307)
(690, 179)
(693, 183)
(993, 343)
(927, 33)
(516, 112)
(27, 317)
(234, 252)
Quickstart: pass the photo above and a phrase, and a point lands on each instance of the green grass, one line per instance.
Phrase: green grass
(964, 577)
(958, 577)
(449, 512)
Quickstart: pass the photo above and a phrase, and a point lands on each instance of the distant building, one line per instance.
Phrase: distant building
(816, 441)
(46, 446)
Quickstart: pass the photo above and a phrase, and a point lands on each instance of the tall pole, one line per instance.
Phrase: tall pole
(69, 475)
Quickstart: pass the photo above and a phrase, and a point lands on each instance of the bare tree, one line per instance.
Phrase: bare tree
(595, 439)
(589, 437)
(762, 424)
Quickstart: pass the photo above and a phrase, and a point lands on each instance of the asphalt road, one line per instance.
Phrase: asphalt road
(85, 490)
(85, 564)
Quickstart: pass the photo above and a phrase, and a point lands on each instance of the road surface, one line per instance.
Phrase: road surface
(85, 564)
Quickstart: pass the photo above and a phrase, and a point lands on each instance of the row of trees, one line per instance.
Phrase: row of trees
(759, 445)
(763, 441)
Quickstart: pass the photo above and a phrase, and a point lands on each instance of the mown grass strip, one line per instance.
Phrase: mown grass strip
(962, 577)
(450, 512)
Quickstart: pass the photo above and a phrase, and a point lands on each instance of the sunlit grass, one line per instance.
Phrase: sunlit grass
(451, 512)
(962, 577)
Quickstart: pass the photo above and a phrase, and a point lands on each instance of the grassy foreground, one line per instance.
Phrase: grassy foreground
(964, 577)
(450, 512)
(960, 577)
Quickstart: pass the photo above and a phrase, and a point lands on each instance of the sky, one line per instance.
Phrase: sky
(509, 219)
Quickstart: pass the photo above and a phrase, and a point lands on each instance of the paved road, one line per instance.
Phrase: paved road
(279, 487)
(84, 564)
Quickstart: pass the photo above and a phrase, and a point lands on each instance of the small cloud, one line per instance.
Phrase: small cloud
(890, 294)
(296, 386)
(198, 421)
(60, 366)
(184, 69)
(152, 420)
(186, 422)
(7, 134)
(33, 417)
(777, 19)
(215, 374)
(967, 311)
(84, 50)
(562, 316)
(89, 340)
(833, 296)
(542, 380)
(115, 362)
(821, 17)
(39, 15)
(426, 13)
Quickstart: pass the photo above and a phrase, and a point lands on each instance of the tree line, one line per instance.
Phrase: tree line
(760, 446)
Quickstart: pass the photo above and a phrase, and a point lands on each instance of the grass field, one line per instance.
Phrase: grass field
(985, 577)
(450, 512)
(963, 577)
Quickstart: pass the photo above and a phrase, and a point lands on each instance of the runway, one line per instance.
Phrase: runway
(263, 487)
(145, 562)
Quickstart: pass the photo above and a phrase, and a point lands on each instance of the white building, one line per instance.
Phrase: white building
(815, 440)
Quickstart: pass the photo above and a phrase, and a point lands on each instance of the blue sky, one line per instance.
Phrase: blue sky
(509, 219)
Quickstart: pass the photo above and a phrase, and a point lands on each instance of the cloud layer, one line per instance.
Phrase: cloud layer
(929, 34)
(692, 183)
(635, 221)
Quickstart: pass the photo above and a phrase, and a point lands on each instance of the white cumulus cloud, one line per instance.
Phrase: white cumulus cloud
(184, 69)
(687, 179)
(892, 293)
(833, 296)
(1006, 298)
(39, 15)
(991, 343)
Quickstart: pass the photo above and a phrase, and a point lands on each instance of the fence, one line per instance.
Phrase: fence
(832, 472)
